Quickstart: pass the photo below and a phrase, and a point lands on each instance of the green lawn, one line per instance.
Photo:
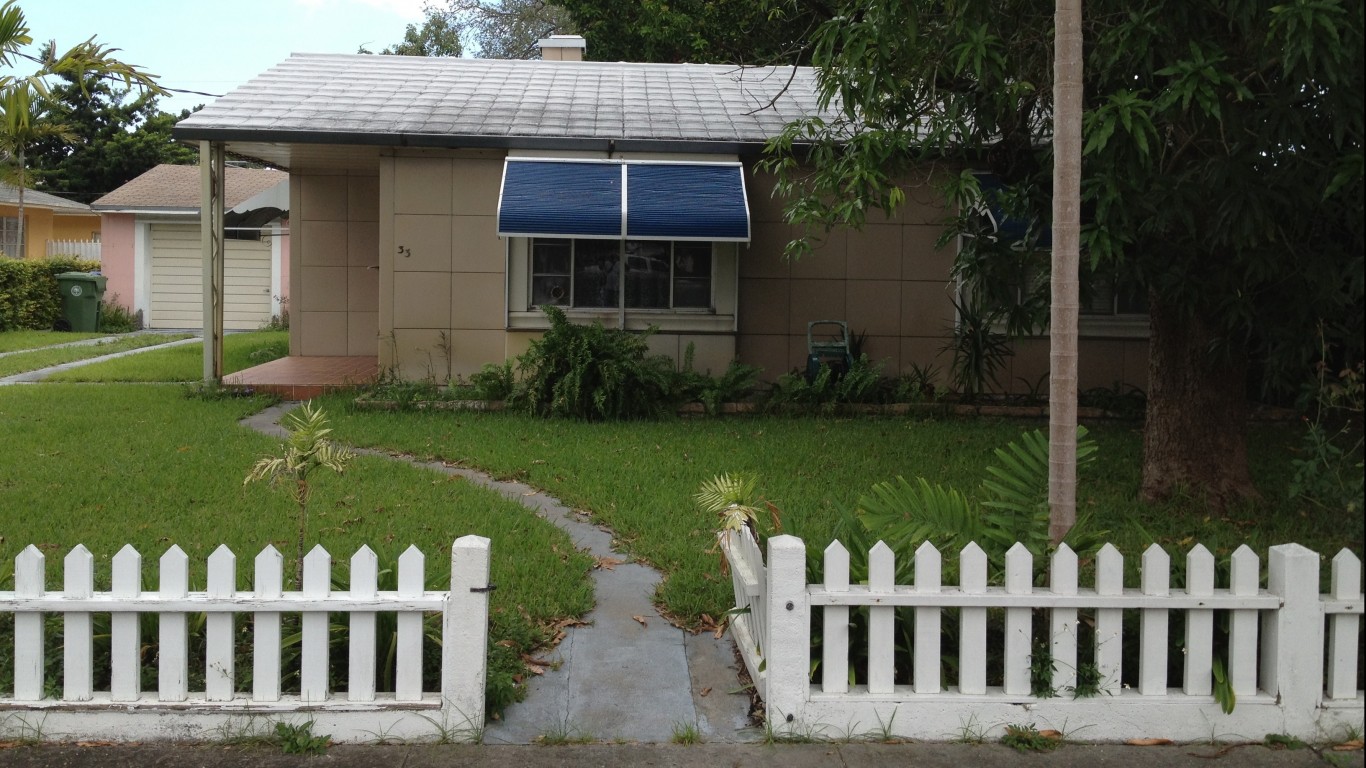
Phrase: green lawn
(23, 362)
(13, 341)
(186, 362)
(145, 465)
(639, 478)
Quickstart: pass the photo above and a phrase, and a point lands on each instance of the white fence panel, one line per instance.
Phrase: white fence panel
(175, 711)
(1275, 641)
(81, 249)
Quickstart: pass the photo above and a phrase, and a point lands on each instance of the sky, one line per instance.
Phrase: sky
(201, 45)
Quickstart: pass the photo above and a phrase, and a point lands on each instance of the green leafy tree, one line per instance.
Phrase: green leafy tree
(439, 35)
(702, 31)
(23, 98)
(1221, 176)
(490, 29)
(111, 137)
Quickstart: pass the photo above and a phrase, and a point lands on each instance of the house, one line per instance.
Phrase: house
(437, 202)
(47, 219)
(152, 253)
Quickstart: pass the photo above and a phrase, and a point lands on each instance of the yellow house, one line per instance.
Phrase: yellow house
(47, 218)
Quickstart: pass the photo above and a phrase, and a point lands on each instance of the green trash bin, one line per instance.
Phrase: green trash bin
(81, 293)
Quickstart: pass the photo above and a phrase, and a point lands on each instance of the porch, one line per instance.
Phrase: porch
(303, 378)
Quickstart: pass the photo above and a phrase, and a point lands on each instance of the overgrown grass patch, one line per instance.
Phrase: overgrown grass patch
(13, 341)
(186, 362)
(640, 477)
(144, 465)
(43, 358)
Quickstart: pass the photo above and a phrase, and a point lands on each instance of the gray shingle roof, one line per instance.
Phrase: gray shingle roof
(9, 195)
(177, 187)
(406, 100)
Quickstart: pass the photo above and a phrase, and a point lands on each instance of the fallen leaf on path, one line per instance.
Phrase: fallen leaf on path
(641, 619)
(1147, 742)
(704, 692)
(607, 563)
(1348, 746)
(1051, 734)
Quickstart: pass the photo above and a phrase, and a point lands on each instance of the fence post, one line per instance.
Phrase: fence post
(173, 657)
(30, 580)
(789, 629)
(77, 657)
(1292, 654)
(125, 632)
(465, 635)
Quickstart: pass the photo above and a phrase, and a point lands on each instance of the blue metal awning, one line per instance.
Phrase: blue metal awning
(622, 199)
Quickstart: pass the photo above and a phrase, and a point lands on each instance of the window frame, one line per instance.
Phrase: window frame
(718, 317)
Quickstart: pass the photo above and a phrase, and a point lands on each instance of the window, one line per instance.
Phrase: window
(9, 237)
(588, 274)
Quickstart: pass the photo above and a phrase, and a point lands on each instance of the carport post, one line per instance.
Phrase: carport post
(211, 175)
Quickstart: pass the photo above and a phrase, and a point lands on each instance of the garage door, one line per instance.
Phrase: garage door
(177, 280)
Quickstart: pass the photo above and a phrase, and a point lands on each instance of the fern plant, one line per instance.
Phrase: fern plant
(1013, 506)
(593, 373)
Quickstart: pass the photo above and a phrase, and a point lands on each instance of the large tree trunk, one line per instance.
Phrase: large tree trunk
(1195, 435)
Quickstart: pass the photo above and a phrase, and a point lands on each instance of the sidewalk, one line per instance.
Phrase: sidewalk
(675, 756)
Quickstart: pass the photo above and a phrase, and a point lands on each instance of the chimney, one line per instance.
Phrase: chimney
(562, 47)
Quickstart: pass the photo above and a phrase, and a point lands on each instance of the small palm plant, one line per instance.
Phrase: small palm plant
(731, 498)
(306, 450)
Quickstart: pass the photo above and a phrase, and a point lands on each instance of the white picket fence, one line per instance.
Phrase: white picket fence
(125, 712)
(1274, 658)
(81, 249)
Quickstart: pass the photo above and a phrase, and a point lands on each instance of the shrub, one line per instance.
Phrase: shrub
(115, 318)
(862, 383)
(494, 382)
(28, 291)
(592, 373)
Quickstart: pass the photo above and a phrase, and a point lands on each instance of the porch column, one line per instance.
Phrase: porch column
(211, 175)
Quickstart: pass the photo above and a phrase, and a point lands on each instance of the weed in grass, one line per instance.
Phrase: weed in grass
(299, 739)
(787, 732)
(1041, 668)
(17, 728)
(245, 732)
(884, 732)
(1027, 738)
(563, 735)
(970, 731)
(1088, 681)
(1282, 741)
(447, 732)
(686, 733)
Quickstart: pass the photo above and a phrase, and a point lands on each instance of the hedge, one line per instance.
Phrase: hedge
(28, 291)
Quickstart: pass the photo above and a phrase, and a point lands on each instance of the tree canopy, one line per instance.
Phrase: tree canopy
(111, 136)
(1222, 177)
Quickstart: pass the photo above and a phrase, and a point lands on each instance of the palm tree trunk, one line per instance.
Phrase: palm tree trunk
(23, 252)
(1064, 306)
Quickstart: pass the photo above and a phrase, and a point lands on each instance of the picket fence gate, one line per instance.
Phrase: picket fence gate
(125, 712)
(1275, 661)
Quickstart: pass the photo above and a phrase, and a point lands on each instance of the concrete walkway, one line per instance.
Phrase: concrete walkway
(29, 377)
(629, 675)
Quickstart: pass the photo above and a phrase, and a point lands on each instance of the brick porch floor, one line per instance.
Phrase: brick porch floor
(302, 378)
